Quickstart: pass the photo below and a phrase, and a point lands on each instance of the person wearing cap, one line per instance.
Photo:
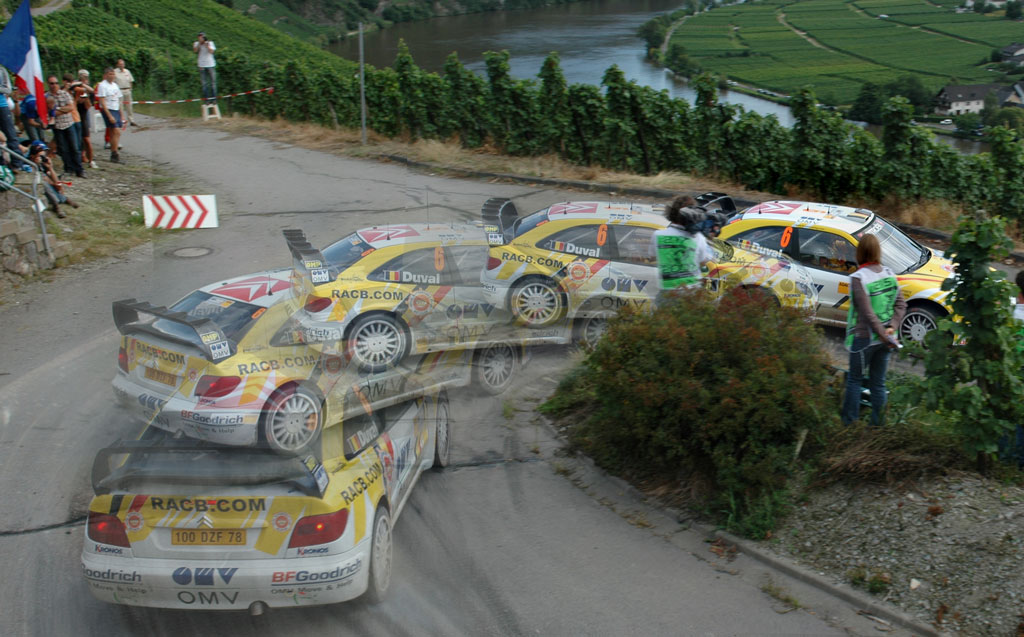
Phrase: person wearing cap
(109, 96)
(83, 92)
(204, 49)
(39, 153)
(124, 80)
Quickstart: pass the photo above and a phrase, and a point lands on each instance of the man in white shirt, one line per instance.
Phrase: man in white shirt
(108, 96)
(123, 78)
(204, 49)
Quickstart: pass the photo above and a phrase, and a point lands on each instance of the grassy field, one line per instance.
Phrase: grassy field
(836, 46)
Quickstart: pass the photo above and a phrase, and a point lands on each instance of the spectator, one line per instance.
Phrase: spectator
(876, 305)
(63, 127)
(109, 97)
(681, 247)
(30, 118)
(83, 93)
(207, 67)
(123, 78)
(6, 121)
(69, 79)
(38, 152)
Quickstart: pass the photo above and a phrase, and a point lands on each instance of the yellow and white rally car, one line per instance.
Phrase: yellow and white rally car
(584, 260)
(178, 523)
(385, 292)
(824, 238)
(226, 364)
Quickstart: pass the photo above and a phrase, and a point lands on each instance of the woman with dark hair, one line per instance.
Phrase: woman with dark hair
(681, 247)
(876, 307)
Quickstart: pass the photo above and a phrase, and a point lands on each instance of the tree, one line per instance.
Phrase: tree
(1010, 117)
(911, 87)
(967, 122)
(989, 110)
(679, 62)
(1014, 11)
(868, 105)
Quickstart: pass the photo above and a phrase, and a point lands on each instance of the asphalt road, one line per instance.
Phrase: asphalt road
(499, 544)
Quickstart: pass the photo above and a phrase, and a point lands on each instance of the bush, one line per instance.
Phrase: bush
(718, 391)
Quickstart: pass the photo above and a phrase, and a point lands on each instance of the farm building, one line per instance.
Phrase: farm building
(957, 99)
(1012, 53)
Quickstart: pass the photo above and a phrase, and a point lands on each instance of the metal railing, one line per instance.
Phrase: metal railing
(37, 203)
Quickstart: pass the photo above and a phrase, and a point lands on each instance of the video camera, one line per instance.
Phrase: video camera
(712, 211)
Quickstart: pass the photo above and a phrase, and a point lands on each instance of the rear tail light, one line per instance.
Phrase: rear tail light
(107, 529)
(216, 386)
(319, 529)
(317, 304)
(122, 359)
(493, 263)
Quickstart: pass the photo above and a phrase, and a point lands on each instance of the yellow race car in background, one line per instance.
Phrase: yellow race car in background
(584, 260)
(823, 238)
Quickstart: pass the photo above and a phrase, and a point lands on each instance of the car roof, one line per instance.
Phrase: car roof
(408, 233)
(607, 210)
(844, 218)
(262, 288)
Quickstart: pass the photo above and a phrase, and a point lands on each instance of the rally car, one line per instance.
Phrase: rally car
(823, 238)
(179, 523)
(385, 292)
(584, 260)
(227, 364)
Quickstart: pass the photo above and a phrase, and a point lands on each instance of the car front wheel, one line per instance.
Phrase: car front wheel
(381, 554)
(917, 322)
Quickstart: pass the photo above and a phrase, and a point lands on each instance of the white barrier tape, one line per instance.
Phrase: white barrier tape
(269, 89)
(176, 212)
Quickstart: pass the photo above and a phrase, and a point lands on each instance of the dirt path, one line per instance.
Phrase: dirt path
(50, 7)
(781, 16)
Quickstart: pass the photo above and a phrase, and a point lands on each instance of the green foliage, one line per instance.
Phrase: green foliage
(967, 122)
(1014, 10)
(718, 389)
(868, 105)
(978, 381)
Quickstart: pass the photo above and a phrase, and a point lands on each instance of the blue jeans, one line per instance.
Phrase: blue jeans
(874, 359)
(67, 147)
(208, 76)
(7, 126)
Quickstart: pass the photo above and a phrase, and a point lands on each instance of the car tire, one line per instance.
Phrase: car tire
(377, 342)
(590, 330)
(381, 556)
(537, 302)
(292, 420)
(917, 322)
(442, 434)
(495, 367)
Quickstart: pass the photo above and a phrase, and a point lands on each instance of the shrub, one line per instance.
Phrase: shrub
(721, 391)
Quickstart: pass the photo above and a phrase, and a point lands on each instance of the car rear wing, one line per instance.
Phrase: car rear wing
(498, 214)
(307, 260)
(209, 338)
(185, 462)
(718, 200)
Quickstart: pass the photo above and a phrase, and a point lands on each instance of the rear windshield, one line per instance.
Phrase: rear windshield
(345, 252)
(529, 222)
(234, 318)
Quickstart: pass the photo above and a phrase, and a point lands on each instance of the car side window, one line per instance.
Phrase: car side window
(827, 251)
(767, 237)
(467, 263)
(635, 245)
(360, 432)
(426, 266)
(591, 241)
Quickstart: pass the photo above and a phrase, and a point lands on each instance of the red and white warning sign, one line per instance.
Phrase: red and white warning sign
(174, 212)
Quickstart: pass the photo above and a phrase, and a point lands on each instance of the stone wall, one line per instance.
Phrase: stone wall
(21, 245)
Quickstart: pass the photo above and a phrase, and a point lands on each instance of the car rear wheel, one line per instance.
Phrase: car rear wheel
(381, 552)
(537, 302)
(443, 435)
(591, 330)
(917, 322)
(495, 368)
(377, 342)
(292, 420)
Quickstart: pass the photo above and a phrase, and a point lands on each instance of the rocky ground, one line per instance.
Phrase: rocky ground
(948, 550)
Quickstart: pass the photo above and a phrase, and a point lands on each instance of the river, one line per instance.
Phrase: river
(589, 36)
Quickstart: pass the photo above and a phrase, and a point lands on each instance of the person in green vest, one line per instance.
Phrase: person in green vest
(681, 248)
(876, 307)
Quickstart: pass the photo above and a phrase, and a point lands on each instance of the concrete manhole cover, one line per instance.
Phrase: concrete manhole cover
(189, 253)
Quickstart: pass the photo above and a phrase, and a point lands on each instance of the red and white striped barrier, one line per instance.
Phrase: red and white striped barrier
(269, 89)
(176, 212)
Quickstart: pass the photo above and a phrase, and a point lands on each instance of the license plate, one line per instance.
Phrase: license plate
(161, 377)
(208, 537)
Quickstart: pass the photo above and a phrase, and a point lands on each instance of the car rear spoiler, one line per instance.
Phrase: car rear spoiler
(306, 259)
(264, 467)
(209, 338)
(724, 201)
(498, 214)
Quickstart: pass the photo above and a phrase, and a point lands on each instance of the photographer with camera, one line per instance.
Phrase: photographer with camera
(204, 49)
(681, 247)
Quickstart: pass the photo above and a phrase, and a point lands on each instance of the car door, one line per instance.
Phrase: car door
(591, 282)
(830, 258)
(426, 281)
(635, 266)
(470, 316)
(406, 446)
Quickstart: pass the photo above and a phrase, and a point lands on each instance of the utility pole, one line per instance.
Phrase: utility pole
(362, 82)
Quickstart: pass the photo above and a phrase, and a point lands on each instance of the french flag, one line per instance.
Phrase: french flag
(19, 52)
